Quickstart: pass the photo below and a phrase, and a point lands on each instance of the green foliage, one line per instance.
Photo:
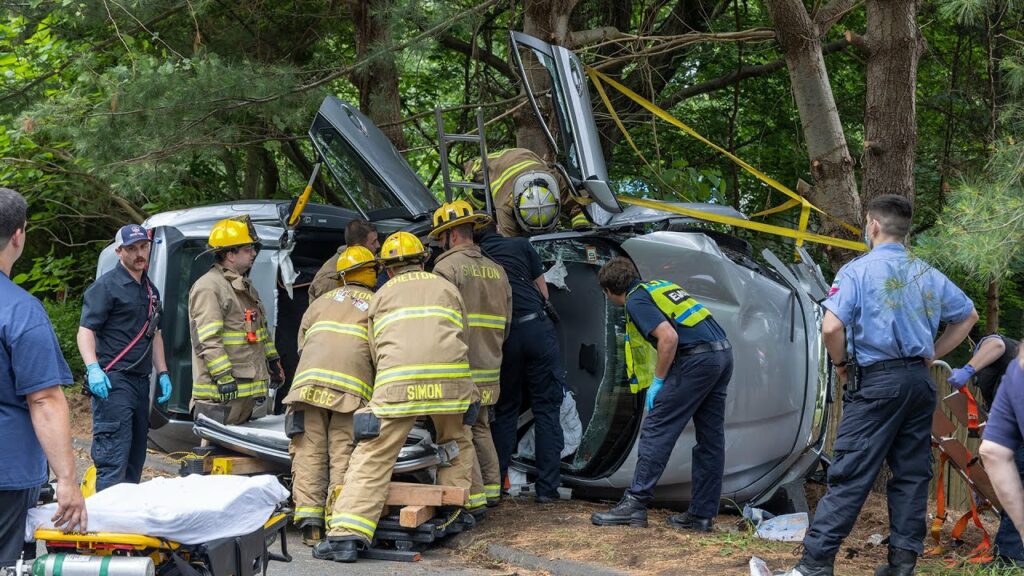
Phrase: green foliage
(65, 316)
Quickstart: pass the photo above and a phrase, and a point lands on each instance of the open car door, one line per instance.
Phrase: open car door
(578, 145)
(366, 165)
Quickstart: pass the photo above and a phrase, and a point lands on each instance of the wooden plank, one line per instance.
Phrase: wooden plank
(413, 516)
(240, 465)
(409, 494)
(942, 426)
(957, 405)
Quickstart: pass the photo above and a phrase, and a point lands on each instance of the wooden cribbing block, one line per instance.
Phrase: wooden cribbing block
(408, 494)
(240, 465)
(942, 426)
(413, 516)
(957, 404)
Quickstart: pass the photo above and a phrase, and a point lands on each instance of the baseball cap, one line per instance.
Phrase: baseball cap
(129, 235)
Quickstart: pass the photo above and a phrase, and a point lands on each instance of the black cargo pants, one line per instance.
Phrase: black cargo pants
(888, 420)
(120, 424)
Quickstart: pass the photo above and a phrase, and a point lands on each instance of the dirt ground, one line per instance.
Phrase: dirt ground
(564, 531)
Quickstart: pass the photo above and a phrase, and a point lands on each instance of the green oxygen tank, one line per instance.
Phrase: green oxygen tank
(82, 565)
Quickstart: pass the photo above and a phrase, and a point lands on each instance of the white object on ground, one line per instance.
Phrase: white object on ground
(758, 567)
(572, 430)
(188, 510)
(784, 528)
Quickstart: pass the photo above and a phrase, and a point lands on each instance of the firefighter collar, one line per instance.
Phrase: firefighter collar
(472, 250)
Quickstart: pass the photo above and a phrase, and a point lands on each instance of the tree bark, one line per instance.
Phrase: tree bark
(549, 21)
(893, 44)
(378, 82)
(835, 188)
(992, 308)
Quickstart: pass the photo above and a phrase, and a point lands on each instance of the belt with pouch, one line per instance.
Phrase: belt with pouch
(890, 364)
(705, 348)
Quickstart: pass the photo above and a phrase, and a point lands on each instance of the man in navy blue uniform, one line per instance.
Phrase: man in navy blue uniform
(531, 362)
(882, 316)
(1003, 441)
(689, 379)
(120, 342)
(34, 423)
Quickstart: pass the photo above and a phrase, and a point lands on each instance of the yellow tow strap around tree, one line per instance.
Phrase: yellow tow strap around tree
(740, 223)
(806, 206)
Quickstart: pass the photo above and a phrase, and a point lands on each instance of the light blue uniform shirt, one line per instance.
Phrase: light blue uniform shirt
(891, 304)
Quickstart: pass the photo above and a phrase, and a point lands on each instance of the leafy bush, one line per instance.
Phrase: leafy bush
(65, 317)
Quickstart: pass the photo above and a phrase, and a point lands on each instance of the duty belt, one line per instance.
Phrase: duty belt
(527, 318)
(890, 364)
(705, 348)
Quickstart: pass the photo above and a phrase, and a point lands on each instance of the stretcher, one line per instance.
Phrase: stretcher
(120, 554)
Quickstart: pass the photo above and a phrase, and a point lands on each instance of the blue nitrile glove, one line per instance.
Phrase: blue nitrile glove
(99, 384)
(656, 385)
(961, 376)
(165, 387)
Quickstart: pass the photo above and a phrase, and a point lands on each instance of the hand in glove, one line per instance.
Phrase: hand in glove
(164, 380)
(276, 373)
(656, 385)
(961, 376)
(99, 383)
(227, 387)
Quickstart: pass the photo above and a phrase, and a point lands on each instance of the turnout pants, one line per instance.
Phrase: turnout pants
(238, 410)
(120, 424)
(320, 456)
(1007, 540)
(888, 420)
(486, 474)
(695, 388)
(532, 362)
(365, 490)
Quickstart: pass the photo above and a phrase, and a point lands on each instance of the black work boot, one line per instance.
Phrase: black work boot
(811, 566)
(629, 511)
(311, 534)
(687, 521)
(901, 563)
(337, 550)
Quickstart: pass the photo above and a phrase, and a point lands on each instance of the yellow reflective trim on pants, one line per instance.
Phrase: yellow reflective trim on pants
(336, 328)
(484, 376)
(353, 522)
(476, 501)
(486, 321)
(410, 408)
(422, 372)
(492, 491)
(346, 381)
(254, 388)
(412, 312)
(309, 511)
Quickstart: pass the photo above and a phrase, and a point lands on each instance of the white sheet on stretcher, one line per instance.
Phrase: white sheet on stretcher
(189, 510)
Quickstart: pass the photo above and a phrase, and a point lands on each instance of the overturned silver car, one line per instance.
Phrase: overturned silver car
(776, 414)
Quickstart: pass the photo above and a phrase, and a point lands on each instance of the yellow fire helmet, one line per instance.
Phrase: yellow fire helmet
(456, 213)
(232, 232)
(402, 248)
(356, 265)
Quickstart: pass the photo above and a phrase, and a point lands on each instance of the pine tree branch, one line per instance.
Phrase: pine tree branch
(833, 12)
(487, 57)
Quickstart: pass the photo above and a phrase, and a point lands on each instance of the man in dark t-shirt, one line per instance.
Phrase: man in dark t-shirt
(987, 366)
(531, 362)
(1003, 441)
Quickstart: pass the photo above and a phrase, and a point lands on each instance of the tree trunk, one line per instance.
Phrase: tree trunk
(253, 168)
(835, 188)
(549, 21)
(893, 44)
(377, 82)
(992, 308)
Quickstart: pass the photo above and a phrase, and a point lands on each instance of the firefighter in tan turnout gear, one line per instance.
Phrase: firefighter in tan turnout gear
(526, 193)
(334, 378)
(488, 298)
(234, 361)
(418, 343)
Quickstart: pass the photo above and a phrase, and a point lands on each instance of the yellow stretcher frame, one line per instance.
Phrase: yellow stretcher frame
(158, 549)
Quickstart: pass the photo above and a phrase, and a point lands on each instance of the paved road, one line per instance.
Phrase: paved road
(435, 561)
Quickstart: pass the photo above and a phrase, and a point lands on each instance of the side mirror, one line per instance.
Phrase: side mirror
(600, 192)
